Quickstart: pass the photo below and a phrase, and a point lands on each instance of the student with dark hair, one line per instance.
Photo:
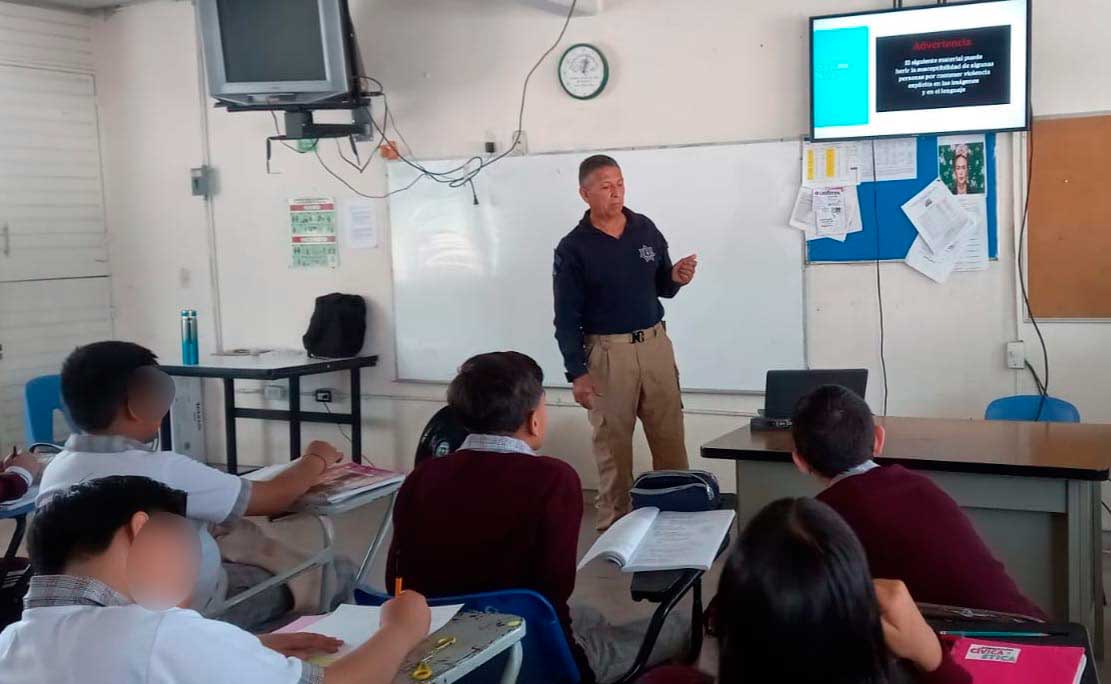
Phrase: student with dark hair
(910, 528)
(497, 515)
(117, 396)
(100, 547)
(494, 514)
(797, 604)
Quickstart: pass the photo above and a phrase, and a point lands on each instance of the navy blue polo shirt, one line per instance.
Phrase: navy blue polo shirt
(605, 285)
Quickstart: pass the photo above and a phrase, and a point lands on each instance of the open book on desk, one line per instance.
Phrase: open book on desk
(648, 539)
(341, 481)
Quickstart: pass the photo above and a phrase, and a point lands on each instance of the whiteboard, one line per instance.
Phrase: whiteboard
(470, 279)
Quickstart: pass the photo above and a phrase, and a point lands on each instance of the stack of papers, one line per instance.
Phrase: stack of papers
(948, 234)
(341, 482)
(354, 625)
(827, 205)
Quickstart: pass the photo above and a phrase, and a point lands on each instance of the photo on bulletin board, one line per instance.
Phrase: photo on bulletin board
(961, 167)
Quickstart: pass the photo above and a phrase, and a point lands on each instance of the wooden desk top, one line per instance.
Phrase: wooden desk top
(1076, 451)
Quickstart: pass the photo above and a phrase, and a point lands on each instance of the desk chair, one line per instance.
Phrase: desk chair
(547, 657)
(1025, 407)
(443, 434)
(42, 396)
(667, 588)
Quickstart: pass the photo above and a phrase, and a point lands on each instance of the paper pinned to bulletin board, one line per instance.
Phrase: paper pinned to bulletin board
(312, 232)
(935, 159)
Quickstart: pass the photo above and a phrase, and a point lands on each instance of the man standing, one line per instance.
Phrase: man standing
(609, 274)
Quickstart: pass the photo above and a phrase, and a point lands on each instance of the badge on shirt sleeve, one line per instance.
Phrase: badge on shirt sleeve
(647, 253)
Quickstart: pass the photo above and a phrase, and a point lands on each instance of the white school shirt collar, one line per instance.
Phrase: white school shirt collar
(502, 444)
(856, 470)
(106, 444)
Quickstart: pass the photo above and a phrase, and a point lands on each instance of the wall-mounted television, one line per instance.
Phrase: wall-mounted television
(953, 68)
(276, 52)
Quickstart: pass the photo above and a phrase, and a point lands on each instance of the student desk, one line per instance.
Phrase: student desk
(479, 638)
(18, 510)
(323, 514)
(277, 365)
(1031, 489)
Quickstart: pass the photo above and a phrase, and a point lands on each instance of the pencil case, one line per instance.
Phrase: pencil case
(686, 491)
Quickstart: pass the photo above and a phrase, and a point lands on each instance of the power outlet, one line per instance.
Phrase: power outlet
(324, 396)
(1016, 355)
(275, 392)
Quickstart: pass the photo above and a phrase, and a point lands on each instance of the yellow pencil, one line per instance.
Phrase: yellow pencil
(397, 586)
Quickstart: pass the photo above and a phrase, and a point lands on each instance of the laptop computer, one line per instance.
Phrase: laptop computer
(784, 388)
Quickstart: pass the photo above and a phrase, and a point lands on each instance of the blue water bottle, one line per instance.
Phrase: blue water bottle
(190, 352)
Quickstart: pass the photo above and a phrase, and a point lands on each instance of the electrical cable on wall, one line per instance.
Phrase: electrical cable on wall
(459, 176)
(1043, 384)
(338, 426)
(879, 280)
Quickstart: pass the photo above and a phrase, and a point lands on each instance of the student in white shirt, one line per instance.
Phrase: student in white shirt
(91, 548)
(117, 396)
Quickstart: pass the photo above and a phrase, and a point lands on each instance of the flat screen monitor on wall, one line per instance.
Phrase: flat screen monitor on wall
(938, 69)
(277, 52)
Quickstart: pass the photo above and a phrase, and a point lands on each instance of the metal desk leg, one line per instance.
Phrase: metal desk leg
(1082, 552)
(327, 569)
(16, 540)
(166, 434)
(696, 624)
(356, 416)
(294, 418)
(383, 529)
(651, 635)
(229, 426)
(512, 664)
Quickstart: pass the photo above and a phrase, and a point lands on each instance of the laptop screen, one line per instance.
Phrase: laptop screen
(785, 387)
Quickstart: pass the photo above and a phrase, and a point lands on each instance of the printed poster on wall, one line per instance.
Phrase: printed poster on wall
(312, 232)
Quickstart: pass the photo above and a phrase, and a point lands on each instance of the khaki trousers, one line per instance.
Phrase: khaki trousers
(634, 379)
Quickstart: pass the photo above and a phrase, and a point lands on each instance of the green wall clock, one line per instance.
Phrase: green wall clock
(583, 71)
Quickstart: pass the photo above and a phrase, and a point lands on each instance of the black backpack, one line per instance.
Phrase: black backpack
(338, 326)
(15, 576)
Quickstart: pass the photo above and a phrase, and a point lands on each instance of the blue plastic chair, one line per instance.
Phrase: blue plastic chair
(42, 396)
(1025, 407)
(547, 657)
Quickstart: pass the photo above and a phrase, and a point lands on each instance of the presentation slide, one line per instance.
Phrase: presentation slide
(936, 69)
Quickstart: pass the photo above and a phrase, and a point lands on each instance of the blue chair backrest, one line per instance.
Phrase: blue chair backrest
(1025, 407)
(42, 396)
(547, 657)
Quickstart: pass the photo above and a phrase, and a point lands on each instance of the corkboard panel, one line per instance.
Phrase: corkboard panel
(1069, 229)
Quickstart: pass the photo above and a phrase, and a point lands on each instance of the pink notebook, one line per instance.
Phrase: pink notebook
(997, 662)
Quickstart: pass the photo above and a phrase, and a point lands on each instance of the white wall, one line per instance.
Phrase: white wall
(707, 71)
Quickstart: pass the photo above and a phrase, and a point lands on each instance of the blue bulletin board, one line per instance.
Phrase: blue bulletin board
(896, 234)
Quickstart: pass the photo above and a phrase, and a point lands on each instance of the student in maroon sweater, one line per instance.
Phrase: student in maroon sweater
(910, 529)
(798, 604)
(494, 515)
(17, 473)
